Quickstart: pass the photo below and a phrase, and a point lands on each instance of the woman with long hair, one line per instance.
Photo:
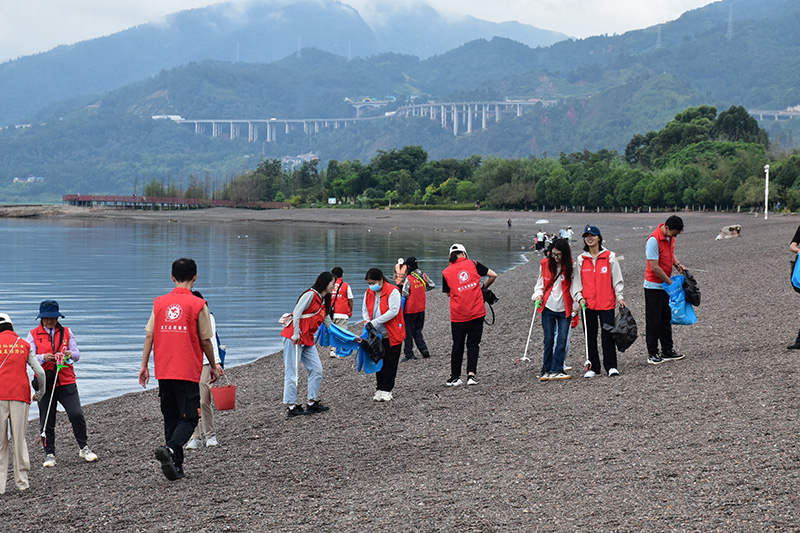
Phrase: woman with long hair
(381, 308)
(312, 309)
(553, 300)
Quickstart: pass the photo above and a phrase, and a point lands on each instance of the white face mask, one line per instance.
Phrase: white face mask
(375, 287)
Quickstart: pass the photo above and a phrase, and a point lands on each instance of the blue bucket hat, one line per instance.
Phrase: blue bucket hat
(49, 309)
(591, 230)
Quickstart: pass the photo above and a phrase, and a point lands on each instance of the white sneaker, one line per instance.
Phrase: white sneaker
(334, 355)
(88, 454)
(212, 442)
(559, 375)
(49, 461)
(378, 396)
(567, 368)
(472, 381)
(194, 444)
(590, 374)
(387, 396)
(613, 372)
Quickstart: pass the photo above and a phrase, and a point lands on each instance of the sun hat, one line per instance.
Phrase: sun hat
(591, 230)
(458, 248)
(5, 319)
(49, 309)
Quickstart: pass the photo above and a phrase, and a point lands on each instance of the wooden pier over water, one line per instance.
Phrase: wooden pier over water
(153, 202)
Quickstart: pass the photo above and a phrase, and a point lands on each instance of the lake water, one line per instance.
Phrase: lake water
(105, 275)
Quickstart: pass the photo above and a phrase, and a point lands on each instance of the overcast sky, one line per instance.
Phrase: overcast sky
(31, 26)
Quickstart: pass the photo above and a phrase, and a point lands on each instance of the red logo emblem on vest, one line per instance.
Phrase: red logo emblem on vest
(463, 276)
(173, 313)
(603, 270)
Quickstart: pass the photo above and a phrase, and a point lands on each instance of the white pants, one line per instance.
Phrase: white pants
(206, 412)
(17, 414)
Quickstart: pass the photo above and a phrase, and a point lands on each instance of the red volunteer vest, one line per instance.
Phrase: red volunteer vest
(598, 290)
(312, 317)
(396, 326)
(44, 344)
(340, 303)
(400, 274)
(548, 282)
(14, 384)
(466, 298)
(666, 254)
(177, 351)
(415, 303)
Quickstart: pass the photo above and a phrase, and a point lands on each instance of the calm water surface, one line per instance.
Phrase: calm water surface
(106, 274)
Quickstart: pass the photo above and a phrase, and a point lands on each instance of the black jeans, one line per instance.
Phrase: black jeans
(414, 324)
(67, 396)
(607, 341)
(180, 405)
(385, 376)
(469, 332)
(657, 316)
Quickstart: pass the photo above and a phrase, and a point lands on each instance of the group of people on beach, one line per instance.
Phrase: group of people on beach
(181, 337)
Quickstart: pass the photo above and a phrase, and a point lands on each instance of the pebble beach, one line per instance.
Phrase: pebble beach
(707, 443)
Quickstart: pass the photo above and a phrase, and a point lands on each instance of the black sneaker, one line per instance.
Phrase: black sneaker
(164, 455)
(297, 410)
(426, 354)
(795, 346)
(654, 359)
(671, 356)
(409, 357)
(454, 382)
(316, 407)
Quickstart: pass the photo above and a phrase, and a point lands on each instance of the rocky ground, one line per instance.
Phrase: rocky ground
(708, 443)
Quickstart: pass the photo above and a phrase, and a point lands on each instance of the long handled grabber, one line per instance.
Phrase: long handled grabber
(525, 355)
(296, 364)
(588, 364)
(59, 365)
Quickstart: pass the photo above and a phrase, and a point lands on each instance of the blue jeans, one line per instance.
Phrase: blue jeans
(310, 359)
(555, 345)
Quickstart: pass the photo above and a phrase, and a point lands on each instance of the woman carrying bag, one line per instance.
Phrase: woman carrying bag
(381, 308)
(597, 284)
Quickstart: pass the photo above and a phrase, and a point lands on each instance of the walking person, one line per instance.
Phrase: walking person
(341, 302)
(461, 281)
(598, 284)
(381, 308)
(206, 411)
(15, 400)
(178, 334)
(660, 254)
(415, 286)
(794, 246)
(553, 300)
(312, 309)
(52, 343)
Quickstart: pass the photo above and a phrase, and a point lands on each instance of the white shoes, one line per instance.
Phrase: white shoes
(613, 372)
(590, 374)
(567, 368)
(382, 396)
(194, 444)
(49, 461)
(87, 454)
(212, 442)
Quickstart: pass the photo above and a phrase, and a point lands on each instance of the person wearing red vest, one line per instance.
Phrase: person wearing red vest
(15, 400)
(553, 300)
(381, 308)
(597, 284)
(311, 310)
(48, 342)
(461, 281)
(660, 254)
(178, 334)
(414, 288)
(341, 303)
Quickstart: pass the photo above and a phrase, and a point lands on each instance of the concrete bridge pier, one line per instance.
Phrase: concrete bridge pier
(497, 112)
(483, 116)
(469, 118)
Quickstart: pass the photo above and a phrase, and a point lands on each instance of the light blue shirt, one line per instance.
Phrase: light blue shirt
(651, 254)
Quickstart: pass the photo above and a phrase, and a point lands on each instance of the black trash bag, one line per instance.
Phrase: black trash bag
(690, 288)
(624, 331)
(374, 343)
(50, 379)
(489, 296)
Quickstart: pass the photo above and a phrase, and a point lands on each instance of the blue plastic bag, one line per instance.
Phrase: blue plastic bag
(796, 275)
(682, 313)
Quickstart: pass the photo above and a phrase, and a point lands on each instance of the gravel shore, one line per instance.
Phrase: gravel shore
(703, 444)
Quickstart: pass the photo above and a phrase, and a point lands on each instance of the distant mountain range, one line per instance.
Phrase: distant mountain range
(262, 31)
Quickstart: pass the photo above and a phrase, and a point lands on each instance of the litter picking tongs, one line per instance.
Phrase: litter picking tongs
(525, 355)
(59, 365)
(588, 364)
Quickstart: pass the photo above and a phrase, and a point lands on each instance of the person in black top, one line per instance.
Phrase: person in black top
(795, 247)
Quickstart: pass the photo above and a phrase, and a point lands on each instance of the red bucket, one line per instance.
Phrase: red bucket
(224, 397)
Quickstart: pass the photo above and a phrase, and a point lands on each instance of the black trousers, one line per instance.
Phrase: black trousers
(657, 316)
(606, 340)
(414, 324)
(469, 333)
(385, 376)
(180, 405)
(67, 396)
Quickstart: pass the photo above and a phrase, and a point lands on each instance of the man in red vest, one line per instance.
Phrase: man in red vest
(660, 253)
(341, 303)
(178, 333)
